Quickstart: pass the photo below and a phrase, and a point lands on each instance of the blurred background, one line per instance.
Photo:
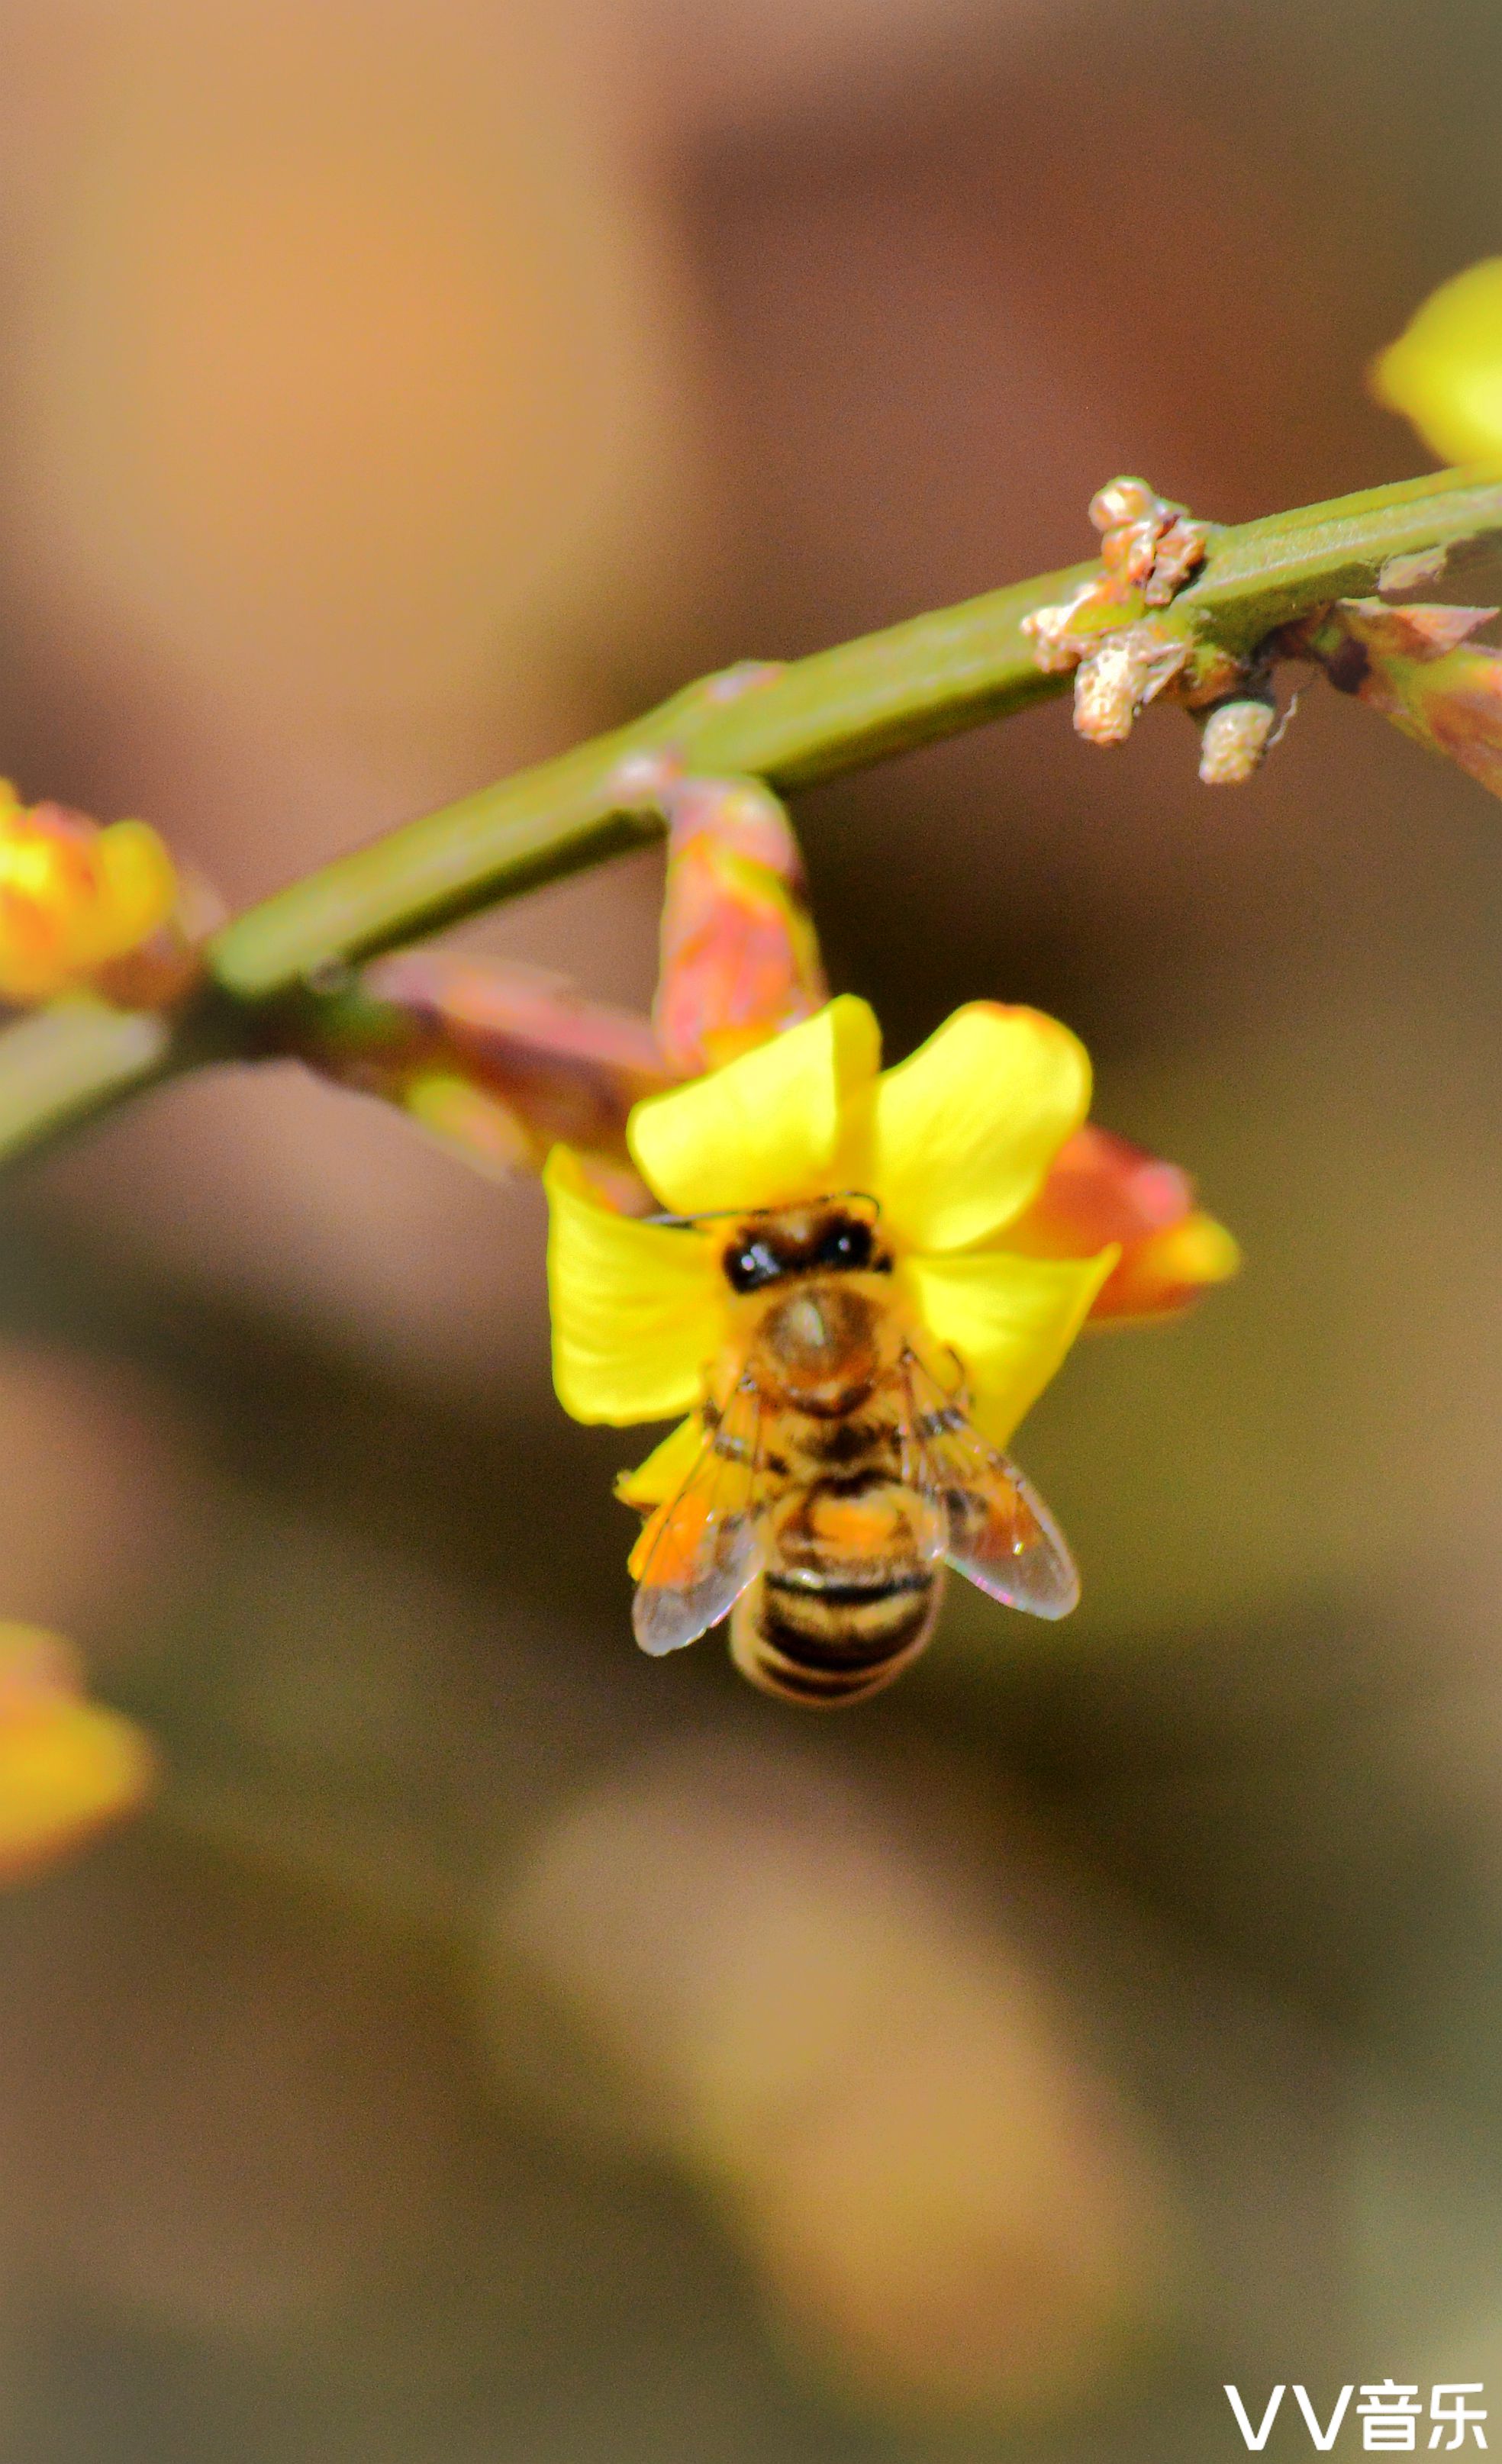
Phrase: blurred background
(494, 2049)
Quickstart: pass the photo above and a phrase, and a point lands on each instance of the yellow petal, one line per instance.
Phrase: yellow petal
(637, 1310)
(666, 1468)
(964, 1131)
(137, 885)
(67, 1765)
(63, 1775)
(765, 1130)
(1009, 1319)
(1445, 373)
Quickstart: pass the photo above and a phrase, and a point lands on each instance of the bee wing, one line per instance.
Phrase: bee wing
(707, 1544)
(999, 1534)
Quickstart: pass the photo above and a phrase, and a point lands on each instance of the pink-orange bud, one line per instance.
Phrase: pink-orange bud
(1102, 1189)
(740, 957)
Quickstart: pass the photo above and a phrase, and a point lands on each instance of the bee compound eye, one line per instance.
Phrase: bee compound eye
(847, 1243)
(751, 1264)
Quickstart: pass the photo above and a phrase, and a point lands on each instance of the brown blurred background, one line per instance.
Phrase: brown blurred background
(496, 2049)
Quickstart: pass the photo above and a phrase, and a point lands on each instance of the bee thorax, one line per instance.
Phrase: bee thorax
(820, 1344)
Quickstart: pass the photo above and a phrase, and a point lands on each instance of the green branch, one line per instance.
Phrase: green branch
(812, 719)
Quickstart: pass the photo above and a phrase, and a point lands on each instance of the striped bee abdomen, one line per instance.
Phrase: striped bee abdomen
(827, 1642)
(846, 1596)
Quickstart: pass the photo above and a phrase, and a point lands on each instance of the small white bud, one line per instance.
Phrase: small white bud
(1126, 670)
(1235, 737)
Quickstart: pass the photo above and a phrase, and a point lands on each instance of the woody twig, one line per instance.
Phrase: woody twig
(265, 973)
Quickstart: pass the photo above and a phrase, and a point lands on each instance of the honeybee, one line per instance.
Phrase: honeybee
(838, 1477)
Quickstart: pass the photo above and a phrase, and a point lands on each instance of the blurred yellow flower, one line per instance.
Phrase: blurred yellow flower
(1445, 372)
(67, 1765)
(953, 1145)
(73, 897)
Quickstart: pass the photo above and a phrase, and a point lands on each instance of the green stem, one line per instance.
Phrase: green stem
(930, 677)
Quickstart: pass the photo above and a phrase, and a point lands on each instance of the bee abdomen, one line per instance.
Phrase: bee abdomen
(828, 1640)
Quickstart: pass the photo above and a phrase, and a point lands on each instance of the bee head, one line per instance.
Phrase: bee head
(827, 1237)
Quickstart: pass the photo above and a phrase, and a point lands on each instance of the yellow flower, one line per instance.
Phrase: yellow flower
(954, 1146)
(73, 898)
(1445, 373)
(68, 1767)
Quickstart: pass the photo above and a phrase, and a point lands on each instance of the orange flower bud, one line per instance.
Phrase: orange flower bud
(499, 1062)
(1100, 1190)
(1164, 1271)
(740, 957)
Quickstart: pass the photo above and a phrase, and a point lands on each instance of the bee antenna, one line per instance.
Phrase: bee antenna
(711, 1215)
(749, 1214)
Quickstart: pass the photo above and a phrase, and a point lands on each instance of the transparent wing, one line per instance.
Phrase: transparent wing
(704, 1546)
(1000, 1535)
